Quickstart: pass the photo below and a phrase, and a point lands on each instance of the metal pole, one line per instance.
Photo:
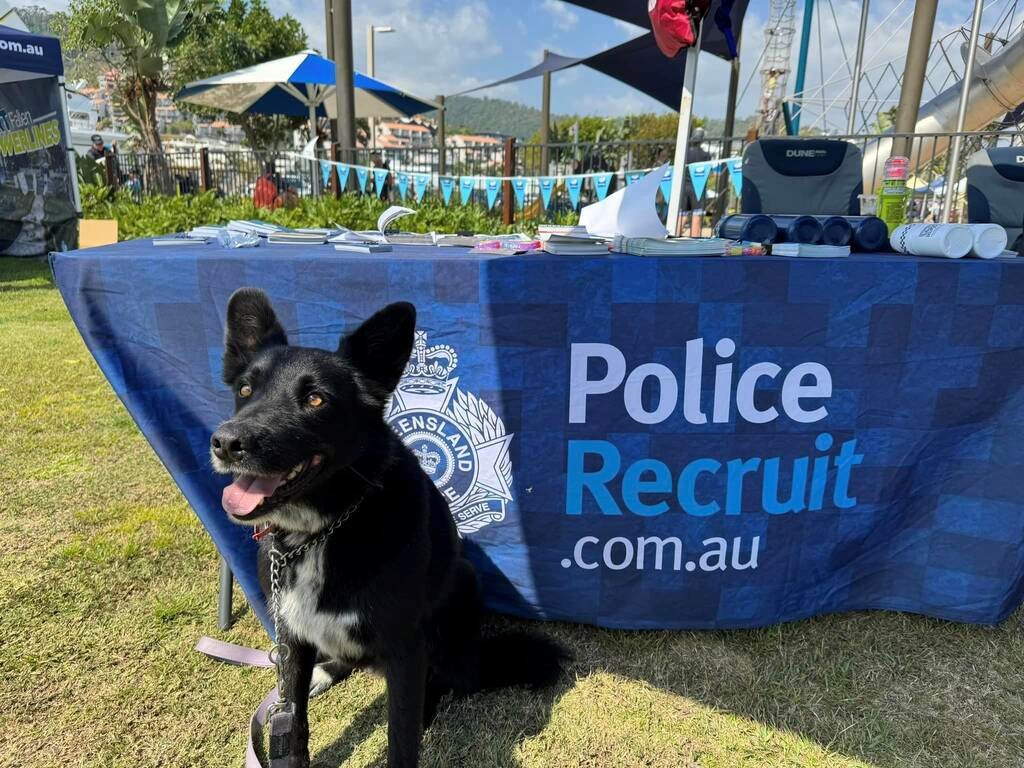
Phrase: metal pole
(371, 123)
(442, 160)
(224, 598)
(329, 30)
(730, 107)
(858, 69)
(545, 120)
(329, 50)
(914, 73)
(961, 115)
(801, 66)
(683, 136)
(344, 90)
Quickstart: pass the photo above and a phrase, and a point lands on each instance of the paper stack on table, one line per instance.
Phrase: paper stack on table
(677, 246)
(570, 241)
(806, 249)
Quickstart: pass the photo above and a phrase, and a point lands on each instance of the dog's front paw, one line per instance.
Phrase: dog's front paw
(321, 681)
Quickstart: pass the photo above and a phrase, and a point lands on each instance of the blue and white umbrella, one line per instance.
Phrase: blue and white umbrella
(300, 85)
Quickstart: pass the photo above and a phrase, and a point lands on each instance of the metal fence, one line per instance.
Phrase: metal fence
(235, 172)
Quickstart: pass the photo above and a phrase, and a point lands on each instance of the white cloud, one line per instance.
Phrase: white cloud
(564, 17)
(433, 49)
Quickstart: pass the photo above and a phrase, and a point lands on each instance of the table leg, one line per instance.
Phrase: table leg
(224, 598)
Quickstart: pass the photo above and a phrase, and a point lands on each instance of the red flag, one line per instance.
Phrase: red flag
(675, 23)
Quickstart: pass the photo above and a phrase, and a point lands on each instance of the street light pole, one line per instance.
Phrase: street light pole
(344, 77)
(371, 71)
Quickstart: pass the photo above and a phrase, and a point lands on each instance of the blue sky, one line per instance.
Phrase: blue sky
(444, 46)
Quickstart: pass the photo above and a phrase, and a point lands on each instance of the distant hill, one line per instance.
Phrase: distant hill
(483, 115)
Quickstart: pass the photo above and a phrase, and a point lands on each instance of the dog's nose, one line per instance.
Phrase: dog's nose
(228, 445)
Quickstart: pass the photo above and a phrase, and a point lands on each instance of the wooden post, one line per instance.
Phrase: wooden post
(508, 168)
(442, 160)
(204, 169)
(110, 169)
(336, 179)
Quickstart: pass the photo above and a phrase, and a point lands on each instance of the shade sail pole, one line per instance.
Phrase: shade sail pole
(961, 115)
(683, 135)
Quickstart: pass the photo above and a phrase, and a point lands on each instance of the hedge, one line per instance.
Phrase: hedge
(161, 215)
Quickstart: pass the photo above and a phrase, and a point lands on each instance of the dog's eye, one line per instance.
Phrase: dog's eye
(244, 391)
(315, 399)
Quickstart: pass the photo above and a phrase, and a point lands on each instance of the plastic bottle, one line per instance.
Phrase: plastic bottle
(893, 194)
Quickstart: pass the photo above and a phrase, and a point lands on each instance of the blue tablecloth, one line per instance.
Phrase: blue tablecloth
(639, 442)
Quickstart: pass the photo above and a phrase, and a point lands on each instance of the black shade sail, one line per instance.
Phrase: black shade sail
(638, 62)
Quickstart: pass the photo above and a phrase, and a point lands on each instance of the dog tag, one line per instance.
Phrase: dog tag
(281, 718)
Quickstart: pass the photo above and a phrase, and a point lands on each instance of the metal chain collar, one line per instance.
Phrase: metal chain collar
(278, 560)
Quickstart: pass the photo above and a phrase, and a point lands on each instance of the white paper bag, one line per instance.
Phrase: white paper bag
(951, 241)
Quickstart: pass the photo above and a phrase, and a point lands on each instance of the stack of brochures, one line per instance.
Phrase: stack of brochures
(254, 227)
(182, 238)
(364, 247)
(297, 237)
(570, 241)
(804, 249)
(675, 246)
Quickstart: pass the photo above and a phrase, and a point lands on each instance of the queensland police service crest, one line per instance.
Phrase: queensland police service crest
(459, 441)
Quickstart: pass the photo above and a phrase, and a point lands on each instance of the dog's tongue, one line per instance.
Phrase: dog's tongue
(245, 494)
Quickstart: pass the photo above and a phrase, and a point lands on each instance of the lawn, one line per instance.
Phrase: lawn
(108, 579)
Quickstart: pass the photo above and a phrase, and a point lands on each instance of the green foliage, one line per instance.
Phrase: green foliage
(240, 34)
(164, 214)
(133, 36)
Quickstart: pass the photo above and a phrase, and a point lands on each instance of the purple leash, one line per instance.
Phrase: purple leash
(244, 657)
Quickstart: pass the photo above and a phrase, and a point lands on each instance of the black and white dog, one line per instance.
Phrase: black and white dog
(382, 582)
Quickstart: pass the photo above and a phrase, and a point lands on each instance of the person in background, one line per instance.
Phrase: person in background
(289, 198)
(264, 195)
(96, 148)
(377, 161)
(134, 184)
(695, 153)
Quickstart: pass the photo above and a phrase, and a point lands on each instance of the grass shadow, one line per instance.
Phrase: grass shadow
(480, 730)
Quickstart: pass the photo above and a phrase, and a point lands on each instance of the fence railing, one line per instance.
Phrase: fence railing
(235, 173)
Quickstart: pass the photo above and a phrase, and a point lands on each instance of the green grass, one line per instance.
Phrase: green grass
(107, 579)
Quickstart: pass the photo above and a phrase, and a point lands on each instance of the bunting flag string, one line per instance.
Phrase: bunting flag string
(699, 173)
(493, 188)
(600, 181)
(735, 166)
(547, 186)
(421, 181)
(447, 185)
(574, 184)
(380, 177)
(666, 184)
(466, 185)
(343, 171)
(519, 188)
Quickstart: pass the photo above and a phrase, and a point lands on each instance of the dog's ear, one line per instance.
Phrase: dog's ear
(251, 326)
(380, 347)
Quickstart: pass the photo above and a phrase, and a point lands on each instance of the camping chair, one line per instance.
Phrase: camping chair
(802, 176)
(995, 189)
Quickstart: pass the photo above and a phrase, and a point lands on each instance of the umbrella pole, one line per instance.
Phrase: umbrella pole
(683, 136)
(312, 139)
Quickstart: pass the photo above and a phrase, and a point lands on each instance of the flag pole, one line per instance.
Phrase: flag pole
(683, 135)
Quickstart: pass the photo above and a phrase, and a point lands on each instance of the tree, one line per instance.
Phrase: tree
(134, 37)
(241, 34)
